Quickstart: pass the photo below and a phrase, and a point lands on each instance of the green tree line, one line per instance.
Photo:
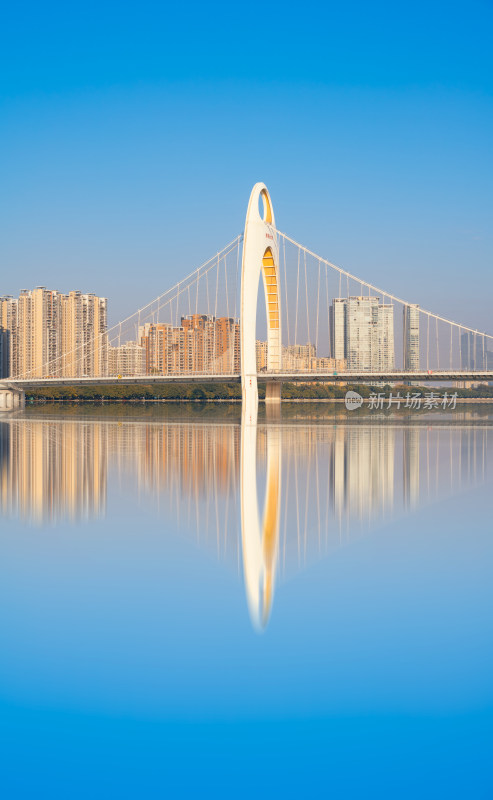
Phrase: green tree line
(230, 391)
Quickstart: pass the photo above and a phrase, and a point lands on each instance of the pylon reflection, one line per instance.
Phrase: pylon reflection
(260, 539)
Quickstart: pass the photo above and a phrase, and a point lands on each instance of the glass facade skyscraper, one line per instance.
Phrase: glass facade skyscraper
(362, 332)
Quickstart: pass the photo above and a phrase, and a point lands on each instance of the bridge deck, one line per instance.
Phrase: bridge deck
(263, 377)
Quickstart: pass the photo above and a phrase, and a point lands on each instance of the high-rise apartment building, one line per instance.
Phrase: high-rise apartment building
(8, 322)
(362, 332)
(3, 357)
(39, 333)
(83, 346)
(54, 335)
(261, 355)
(127, 360)
(298, 357)
(201, 343)
(411, 337)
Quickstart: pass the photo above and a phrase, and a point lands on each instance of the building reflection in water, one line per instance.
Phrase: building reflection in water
(53, 470)
(268, 498)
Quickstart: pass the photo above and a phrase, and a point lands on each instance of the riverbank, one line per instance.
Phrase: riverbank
(231, 393)
(341, 400)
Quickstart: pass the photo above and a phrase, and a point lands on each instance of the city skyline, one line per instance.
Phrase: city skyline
(44, 332)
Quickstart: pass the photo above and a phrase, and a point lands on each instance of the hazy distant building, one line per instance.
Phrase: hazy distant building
(337, 323)
(298, 357)
(261, 355)
(362, 332)
(411, 337)
(474, 351)
(324, 364)
(127, 360)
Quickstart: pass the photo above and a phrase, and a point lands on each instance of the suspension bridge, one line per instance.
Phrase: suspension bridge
(314, 321)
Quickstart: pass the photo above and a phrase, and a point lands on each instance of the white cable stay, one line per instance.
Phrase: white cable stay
(155, 307)
(194, 277)
(191, 278)
(378, 291)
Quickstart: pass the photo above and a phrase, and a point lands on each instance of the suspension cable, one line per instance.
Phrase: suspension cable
(392, 297)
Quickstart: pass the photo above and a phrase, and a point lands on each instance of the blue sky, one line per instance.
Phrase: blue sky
(131, 135)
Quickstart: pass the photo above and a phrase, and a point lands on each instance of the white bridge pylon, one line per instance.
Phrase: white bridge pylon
(260, 256)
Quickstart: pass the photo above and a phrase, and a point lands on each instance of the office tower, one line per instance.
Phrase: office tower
(127, 360)
(366, 327)
(201, 343)
(337, 325)
(385, 354)
(411, 337)
(360, 333)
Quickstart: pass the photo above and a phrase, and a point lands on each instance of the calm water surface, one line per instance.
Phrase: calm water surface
(192, 606)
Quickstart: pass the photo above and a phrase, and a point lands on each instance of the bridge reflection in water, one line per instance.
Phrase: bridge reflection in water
(269, 498)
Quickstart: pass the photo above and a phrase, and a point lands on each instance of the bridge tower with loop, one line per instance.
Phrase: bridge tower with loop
(260, 257)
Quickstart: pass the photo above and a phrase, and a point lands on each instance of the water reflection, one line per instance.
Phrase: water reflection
(260, 539)
(319, 483)
(50, 470)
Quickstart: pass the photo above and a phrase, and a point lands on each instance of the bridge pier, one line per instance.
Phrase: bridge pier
(249, 392)
(273, 392)
(11, 399)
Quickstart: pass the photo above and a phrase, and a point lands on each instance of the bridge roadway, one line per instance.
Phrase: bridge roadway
(263, 377)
